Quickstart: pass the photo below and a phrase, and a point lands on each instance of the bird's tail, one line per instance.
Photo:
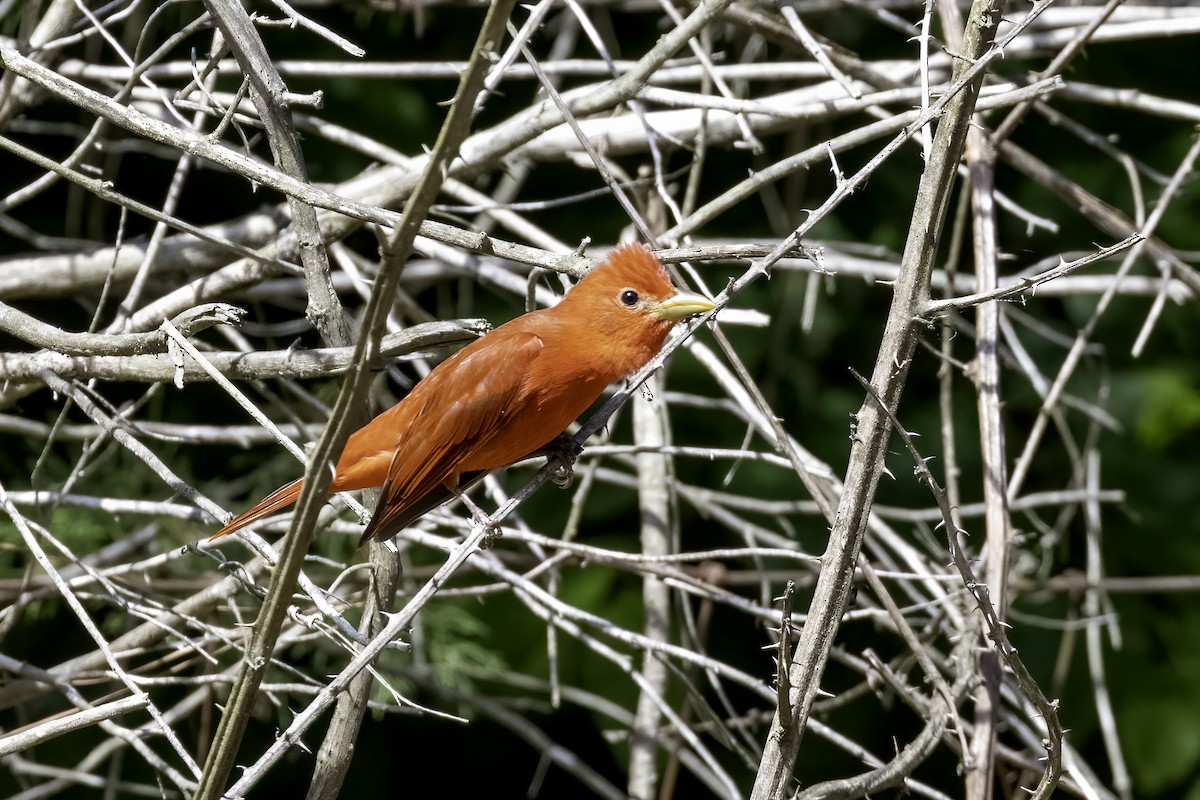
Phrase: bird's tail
(279, 499)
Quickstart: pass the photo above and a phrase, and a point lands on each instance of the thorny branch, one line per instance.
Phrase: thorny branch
(1047, 709)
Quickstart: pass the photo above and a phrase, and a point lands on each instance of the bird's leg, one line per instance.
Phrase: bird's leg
(563, 450)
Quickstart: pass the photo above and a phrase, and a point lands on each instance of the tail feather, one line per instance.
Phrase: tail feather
(387, 522)
(279, 499)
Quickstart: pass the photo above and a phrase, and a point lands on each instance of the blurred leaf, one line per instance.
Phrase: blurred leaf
(1162, 741)
(456, 641)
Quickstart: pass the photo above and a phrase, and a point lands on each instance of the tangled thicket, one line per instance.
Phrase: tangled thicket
(167, 221)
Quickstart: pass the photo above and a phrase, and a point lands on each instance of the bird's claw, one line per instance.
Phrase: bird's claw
(564, 476)
(564, 450)
(491, 534)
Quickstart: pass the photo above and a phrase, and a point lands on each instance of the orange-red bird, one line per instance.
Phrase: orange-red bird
(507, 394)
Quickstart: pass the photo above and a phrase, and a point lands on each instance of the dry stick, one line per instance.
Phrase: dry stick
(519, 38)
(20, 367)
(946, 370)
(268, 92)
(870, 439)
(40, 334)
(1134, 100)
(320, 30)
(36, 734)
(1052, 771)
(814, 48)
(673, 72)
(319, 473)
(979, 758)
(980, 761)
(783, 682)
(337, 748)
(177, 484)
(650, 430)
(1029, 283)
(1096, 598)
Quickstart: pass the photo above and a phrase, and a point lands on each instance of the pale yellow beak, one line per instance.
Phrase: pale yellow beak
(682, 305)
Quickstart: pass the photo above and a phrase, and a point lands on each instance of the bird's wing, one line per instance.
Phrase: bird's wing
(458, 419)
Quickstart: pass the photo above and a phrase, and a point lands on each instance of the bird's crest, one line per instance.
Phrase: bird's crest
(632, 265)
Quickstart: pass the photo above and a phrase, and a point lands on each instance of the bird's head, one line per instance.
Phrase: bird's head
(630, 304)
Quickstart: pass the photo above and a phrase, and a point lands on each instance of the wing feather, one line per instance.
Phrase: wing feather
(456, 422)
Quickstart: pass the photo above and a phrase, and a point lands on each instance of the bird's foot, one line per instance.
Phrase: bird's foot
(562, 452)
(491, 534)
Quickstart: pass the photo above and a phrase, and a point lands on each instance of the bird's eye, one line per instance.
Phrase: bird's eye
(629, 298)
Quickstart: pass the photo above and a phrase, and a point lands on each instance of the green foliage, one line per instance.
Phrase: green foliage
(1170, 406)
(1162, 740)
(456, 640)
